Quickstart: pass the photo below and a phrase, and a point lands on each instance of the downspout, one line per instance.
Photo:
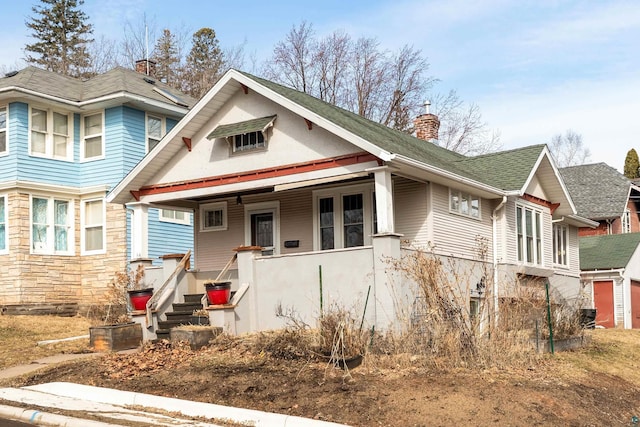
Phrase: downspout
(494, 223)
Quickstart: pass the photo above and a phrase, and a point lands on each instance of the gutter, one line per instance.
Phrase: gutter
(494, 225)
(81, 104)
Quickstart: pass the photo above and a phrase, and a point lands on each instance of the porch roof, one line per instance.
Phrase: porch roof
(241, 128)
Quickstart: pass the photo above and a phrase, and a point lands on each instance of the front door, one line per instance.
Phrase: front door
(603, 300)
(635, 304)
(262, 231)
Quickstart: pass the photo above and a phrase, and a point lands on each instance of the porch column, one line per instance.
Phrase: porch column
(246, 257)
(384, 199)
(388, 291)
(139, 230)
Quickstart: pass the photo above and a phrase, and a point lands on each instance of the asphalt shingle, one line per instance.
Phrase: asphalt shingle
(608, 251)
(598, 190)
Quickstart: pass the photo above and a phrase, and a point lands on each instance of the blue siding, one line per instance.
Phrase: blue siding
(167, 238)
(16, 128)
(170, 123)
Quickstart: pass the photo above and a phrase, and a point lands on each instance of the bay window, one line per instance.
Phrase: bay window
(51, 134)
(529, 232)
(560, 243)
(3, 129)
(51, 221)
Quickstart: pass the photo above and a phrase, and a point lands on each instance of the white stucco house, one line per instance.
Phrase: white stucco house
(300, 187)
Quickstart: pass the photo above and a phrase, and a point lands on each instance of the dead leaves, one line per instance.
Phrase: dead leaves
(151, 358)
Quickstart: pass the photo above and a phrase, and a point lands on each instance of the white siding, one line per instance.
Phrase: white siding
(455, 234)
(410, 211)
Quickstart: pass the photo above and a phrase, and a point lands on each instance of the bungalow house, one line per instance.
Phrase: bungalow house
(611, 270)
(315, 199)
(64, 143)
(604, 195)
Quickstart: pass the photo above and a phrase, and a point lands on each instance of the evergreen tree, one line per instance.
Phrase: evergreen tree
(165, 54)
(62, 35)
(631, 165)
(205, 63)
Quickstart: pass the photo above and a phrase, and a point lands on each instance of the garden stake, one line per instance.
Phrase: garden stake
(365, 308)
(320, 278)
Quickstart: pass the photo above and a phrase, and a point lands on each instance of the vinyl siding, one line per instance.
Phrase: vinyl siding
(39, 169)
(167, 238)
(455, 234)
(16, 133)
(410, 211)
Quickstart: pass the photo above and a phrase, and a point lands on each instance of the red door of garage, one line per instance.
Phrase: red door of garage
(635, 304)
(603, 300)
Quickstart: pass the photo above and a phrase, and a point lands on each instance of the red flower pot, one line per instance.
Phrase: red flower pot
(140, 297)
(218, 293)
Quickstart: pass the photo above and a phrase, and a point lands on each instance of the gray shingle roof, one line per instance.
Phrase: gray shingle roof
(607, 252)
(507, 170)
(598, 190)
(114, 81)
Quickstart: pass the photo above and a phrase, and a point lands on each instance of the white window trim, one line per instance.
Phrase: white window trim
(83, 137)
(214, 206)
(535, 208)
(5, 201)
(49, 143)
(625, 221)
(258, 208)
(232, 144)
(6, 132)
(50, 250)
(83, 225)
(338, 227)
(163, 128)
(173, 220)
(472, 197)
(556, 240)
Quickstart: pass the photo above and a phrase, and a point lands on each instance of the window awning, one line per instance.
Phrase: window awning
(240, 128)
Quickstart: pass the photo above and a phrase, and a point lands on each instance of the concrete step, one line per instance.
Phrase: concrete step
(193, 298)
(186, 306)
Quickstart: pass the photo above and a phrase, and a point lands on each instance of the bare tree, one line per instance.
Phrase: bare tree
(292, 59)
(104, 55)
(138, 38)
(568, 149)
(331, 54)
(369, 73)
(462, 128)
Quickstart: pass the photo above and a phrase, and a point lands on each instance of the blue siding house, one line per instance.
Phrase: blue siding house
(64, 143)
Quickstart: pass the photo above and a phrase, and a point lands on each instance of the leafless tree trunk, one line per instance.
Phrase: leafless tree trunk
(568, 149)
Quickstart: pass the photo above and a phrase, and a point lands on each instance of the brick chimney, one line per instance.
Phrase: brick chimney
(427, 125)
(147, 67)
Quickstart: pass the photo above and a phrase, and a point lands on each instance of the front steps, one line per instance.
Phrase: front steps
(182, 314)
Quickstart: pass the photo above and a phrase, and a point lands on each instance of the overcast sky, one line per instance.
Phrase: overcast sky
(535, 68)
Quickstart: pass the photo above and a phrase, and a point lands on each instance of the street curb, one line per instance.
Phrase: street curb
(185, 407)
(35, 417)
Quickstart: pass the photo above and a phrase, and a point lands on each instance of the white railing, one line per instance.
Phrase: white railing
(162, 294)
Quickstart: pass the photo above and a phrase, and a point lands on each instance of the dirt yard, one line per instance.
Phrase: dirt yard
(596, 386)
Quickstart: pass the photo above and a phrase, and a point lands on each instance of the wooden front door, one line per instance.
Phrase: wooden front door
(635, 304)
(603, 300)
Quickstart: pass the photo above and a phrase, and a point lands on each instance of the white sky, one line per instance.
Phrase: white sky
(535, 68)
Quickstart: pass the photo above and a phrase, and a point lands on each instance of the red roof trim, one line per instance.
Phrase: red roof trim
(254, 175)
(538, 201)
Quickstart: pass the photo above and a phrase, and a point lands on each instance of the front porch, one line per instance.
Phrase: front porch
(268, 290)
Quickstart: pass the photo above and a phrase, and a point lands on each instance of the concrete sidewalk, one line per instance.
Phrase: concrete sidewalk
(106, 406)
(16, 371)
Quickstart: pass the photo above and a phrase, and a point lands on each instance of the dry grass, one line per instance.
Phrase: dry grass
(19, 336)
(611, 352)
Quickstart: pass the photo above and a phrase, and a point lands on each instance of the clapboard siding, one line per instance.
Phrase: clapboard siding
(410, 211)
(167, 238)
(16, 131)
(457, 234)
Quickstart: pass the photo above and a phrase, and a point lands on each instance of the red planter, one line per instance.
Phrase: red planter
(140, 297)
(218, 293)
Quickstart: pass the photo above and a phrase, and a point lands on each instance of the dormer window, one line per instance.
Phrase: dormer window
(245, 136)
(248, 141)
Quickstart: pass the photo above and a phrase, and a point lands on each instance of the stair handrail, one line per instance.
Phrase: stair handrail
(228, 265)
(157, 294)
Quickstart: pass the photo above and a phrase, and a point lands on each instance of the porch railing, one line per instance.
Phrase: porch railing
(161, 295)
